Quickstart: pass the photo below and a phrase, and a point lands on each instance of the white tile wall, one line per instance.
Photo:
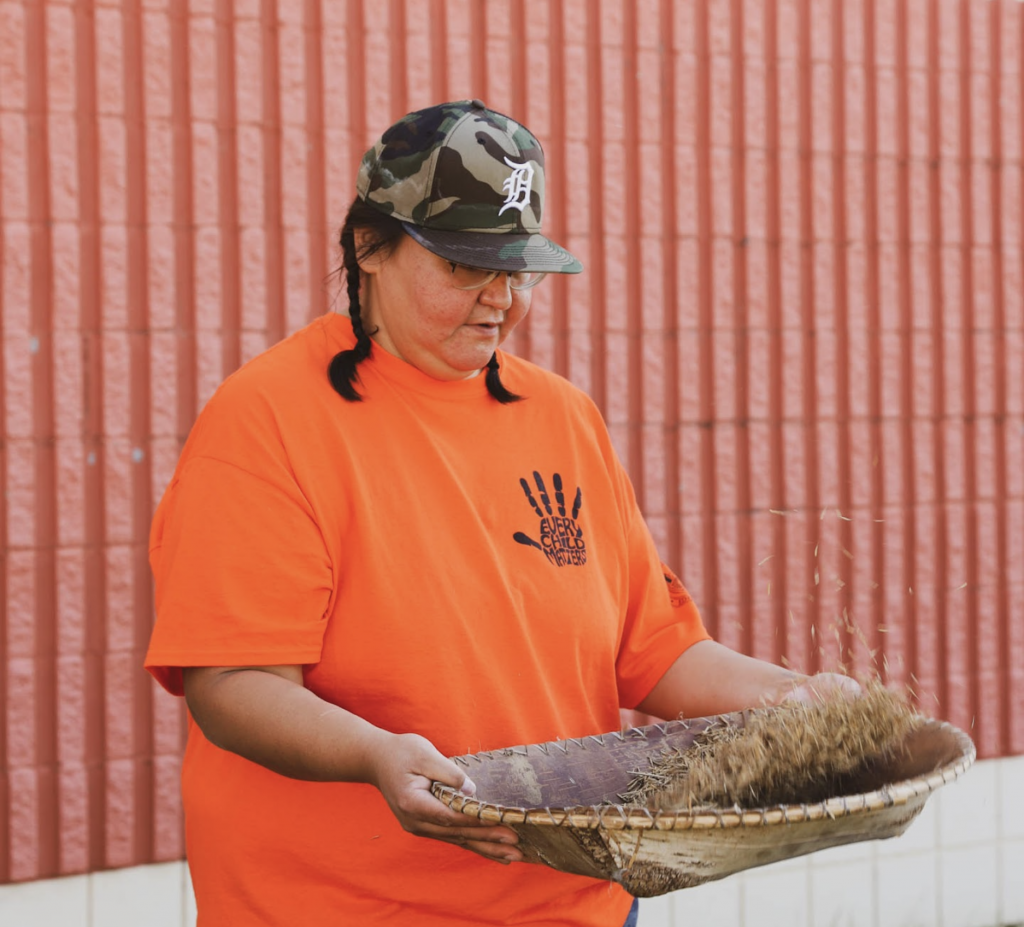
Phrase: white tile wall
(151, 895)
(908, 891)
(1011, 797)
(710, 903)
(658, 912)
(776, 894)
(189, 896)
(968, 893)
(56, 902)
(1012, 883)
(967, 808)
(843, 894)
(960, 864)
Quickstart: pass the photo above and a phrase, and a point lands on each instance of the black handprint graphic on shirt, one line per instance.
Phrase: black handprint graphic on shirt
(561, 537)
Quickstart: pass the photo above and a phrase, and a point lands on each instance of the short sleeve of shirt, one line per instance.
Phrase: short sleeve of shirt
(242, 574)
(662, 620)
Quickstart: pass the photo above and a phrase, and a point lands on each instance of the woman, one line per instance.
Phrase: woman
(372, 557)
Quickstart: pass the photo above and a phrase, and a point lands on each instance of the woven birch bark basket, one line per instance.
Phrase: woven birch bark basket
(563, 800)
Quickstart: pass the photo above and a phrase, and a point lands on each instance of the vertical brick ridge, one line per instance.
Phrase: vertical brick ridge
(708, 412)
(1001, 725)
(273, 220)
(967, 305)
(5, 786)
(227, 188)
(809, 325)
(554, 219)
(478, 48)
(398, 39)
(740, 413)
(139, 428)
(438, 44)
(520, 111)
(670, 289)
(184, 242)
(773, 300)
(356, 53)
(316, 170)
(43, 431)
(1016, 692)
(935, 235)
(170, 275)
(595, 171)
(862, 656)
(1004, 635)
(517, 62)
(93, 427)
(632, 132)
(910, 633)
(842, 308)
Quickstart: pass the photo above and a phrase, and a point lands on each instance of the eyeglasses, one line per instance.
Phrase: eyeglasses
(465, 277)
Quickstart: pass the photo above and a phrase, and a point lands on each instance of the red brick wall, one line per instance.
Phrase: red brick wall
(803, 316)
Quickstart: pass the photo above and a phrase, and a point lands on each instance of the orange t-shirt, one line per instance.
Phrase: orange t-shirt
(441, 564)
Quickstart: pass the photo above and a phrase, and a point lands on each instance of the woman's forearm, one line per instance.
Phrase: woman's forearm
(266, 715)
(710, 679)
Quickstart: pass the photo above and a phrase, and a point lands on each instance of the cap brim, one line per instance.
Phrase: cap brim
(490, 251)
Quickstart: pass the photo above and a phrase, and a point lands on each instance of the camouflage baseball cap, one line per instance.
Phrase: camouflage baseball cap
(468, 184)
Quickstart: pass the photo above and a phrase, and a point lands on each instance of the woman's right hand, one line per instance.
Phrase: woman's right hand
(404, 767)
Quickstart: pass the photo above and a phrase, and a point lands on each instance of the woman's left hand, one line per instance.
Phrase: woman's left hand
(823, 686)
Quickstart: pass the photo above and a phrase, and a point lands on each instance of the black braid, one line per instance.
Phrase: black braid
(494, 385)
(342, 370)
(386, 232)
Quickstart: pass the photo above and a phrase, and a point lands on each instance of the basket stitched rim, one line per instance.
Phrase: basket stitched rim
(619, 817)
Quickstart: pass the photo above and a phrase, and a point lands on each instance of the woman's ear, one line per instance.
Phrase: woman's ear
(363, 239)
